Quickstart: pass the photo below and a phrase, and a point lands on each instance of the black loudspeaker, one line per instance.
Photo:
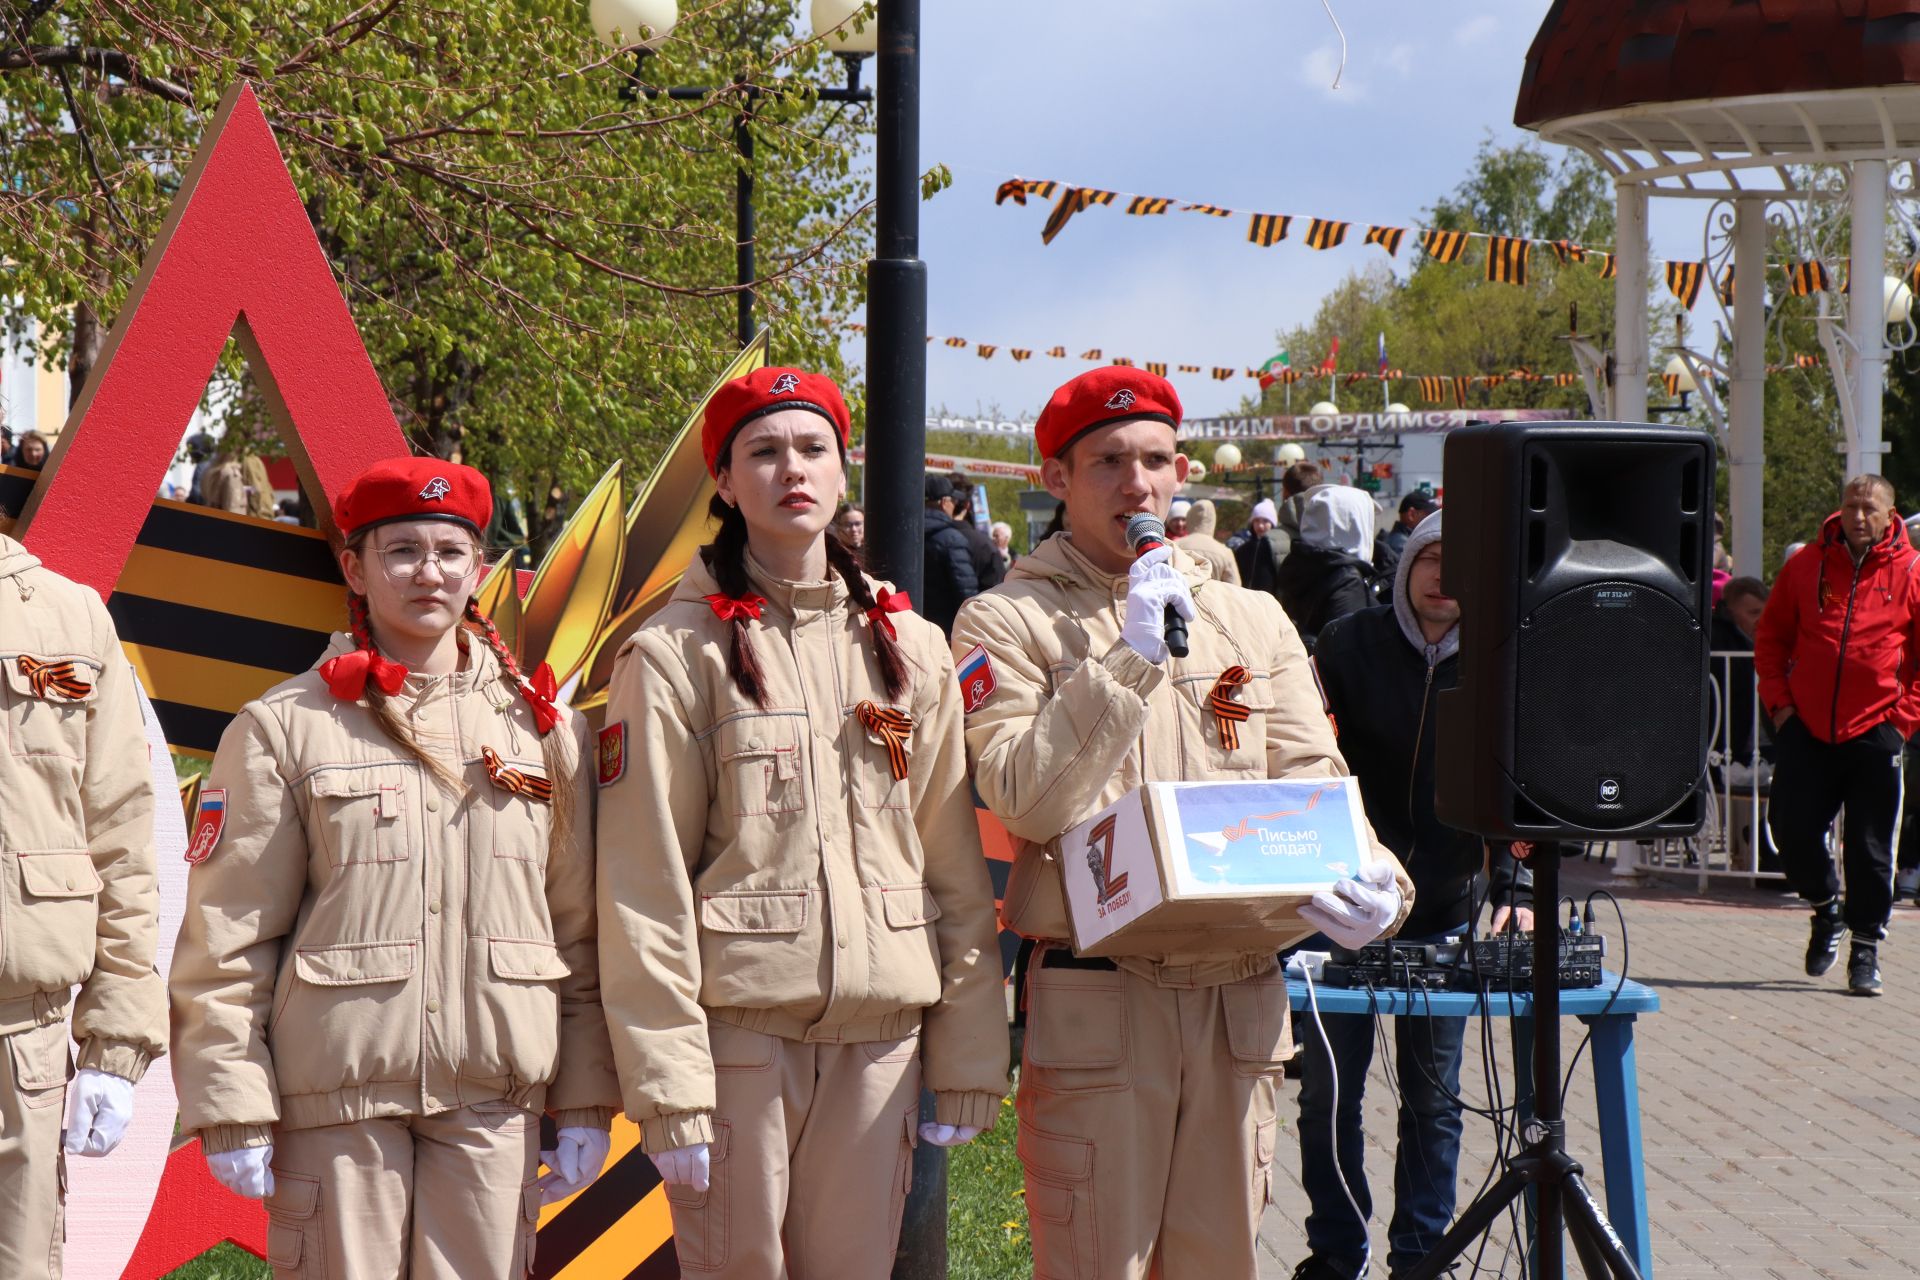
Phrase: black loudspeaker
(1581, 556)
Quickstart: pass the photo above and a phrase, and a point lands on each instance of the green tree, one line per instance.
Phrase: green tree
(541, 267)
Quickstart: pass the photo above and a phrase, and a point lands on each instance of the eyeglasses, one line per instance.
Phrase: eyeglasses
(404, 560)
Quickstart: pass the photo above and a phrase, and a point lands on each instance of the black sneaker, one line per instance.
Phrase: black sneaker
(1823, 944)
(1318, 1268)
(1863, 970)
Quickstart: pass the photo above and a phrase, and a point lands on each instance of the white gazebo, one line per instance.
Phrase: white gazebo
(1808, 125)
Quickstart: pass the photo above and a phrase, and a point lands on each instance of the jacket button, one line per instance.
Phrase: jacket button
(433, 1006)
(352, 974)
(842, 940)
(433, 802)
(753, 744)
(433, 908)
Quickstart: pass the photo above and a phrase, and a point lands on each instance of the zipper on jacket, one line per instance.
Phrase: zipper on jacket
(1419, 732)
(1840, 663)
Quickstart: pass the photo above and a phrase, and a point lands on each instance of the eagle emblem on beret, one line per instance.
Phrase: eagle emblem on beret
(437, 488)
(1122, 400)
(785, 384)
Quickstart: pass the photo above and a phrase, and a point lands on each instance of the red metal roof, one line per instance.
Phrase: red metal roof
(1594, 55)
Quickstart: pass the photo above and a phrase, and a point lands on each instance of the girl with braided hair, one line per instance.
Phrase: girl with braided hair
(797, 924)
(387, 970)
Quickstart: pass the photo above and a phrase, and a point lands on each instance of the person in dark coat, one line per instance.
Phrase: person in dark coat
(988, 569)
(1257, 550)
(1329, 573)
(949, 580)
(1379, 670)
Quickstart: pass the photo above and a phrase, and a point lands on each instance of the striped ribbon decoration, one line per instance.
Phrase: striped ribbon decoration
(1387, 238)
(892, 727)
(60, 677)
(1227, 713)
(1325, 233)
(516, 781)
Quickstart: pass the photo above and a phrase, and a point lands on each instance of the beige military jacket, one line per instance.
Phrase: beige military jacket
(362, 943)
(78, 899)
(764, 867)
(1078, 719)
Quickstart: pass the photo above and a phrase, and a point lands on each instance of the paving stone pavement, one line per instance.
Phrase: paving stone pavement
(1780, 1117)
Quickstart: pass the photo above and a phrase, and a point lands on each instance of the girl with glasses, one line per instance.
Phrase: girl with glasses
(387, 970)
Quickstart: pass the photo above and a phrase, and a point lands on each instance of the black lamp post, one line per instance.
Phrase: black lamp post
(617, 19)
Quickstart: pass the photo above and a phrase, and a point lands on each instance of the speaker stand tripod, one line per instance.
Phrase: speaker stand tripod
(1561, 1197)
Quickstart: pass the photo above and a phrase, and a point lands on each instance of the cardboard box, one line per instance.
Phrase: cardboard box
(1172, 863)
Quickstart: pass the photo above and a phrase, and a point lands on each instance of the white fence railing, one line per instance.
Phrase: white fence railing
(1730, 844)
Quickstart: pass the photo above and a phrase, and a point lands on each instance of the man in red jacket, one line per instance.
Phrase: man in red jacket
(1838, 655)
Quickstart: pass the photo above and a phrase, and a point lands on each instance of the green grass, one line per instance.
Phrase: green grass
(987, 1207)
(224, 1262)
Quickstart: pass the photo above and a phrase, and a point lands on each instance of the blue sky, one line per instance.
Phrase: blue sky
(1228, 102)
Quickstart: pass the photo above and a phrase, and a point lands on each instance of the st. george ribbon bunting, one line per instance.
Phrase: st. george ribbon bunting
(1506, 257)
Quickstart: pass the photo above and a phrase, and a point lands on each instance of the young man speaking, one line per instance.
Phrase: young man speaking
(1147, 1112)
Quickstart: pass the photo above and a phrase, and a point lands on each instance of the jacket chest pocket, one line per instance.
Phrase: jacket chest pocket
(360, 815)
(522, 823)
(761, 770)
(872, 757)
(48, 697)
(1224, 719)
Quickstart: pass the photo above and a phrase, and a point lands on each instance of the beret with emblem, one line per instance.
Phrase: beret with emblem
(1098, 397)
(414, 489)
(766, 391)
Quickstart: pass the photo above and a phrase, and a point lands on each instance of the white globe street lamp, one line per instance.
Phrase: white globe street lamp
(1289, 453)
(1196, 470)
(1397, 407)
(627, 23)
(1677, 368)
(1324, 409)
(833, 21)
(1227, 456)
(1899, 300)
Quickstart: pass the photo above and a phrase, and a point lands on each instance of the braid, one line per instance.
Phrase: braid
(726, 559)
(560, 770)
(357, 620)
(893, 662)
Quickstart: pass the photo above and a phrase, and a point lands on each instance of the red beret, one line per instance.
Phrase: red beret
(414, 489)
(1115, 393)
(766, 391)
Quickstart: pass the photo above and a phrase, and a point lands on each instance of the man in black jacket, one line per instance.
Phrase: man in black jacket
(987, 569)
(1379, 669)
(949, 579)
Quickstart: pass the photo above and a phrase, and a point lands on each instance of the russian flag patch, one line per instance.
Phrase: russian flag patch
(976, 677)
(208, 820)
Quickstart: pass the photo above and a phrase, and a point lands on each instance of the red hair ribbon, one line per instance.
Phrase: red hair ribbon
(890, 602)
(347, 675)
(57, 676)
(516, 781)
(727, 608)
(1230, 715)
(540, 693)
(892, 727)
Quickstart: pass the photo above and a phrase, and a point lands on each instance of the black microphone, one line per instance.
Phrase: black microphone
(1145, 531)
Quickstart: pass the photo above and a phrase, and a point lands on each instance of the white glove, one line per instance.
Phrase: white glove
(574, 1162)
(102, 1110)
(684, 1166)
(948, 1135)
(1153, 584)
(247, 1172)
(1359, 909)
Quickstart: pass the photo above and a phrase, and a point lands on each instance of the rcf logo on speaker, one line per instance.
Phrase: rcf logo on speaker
(1610, 791)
